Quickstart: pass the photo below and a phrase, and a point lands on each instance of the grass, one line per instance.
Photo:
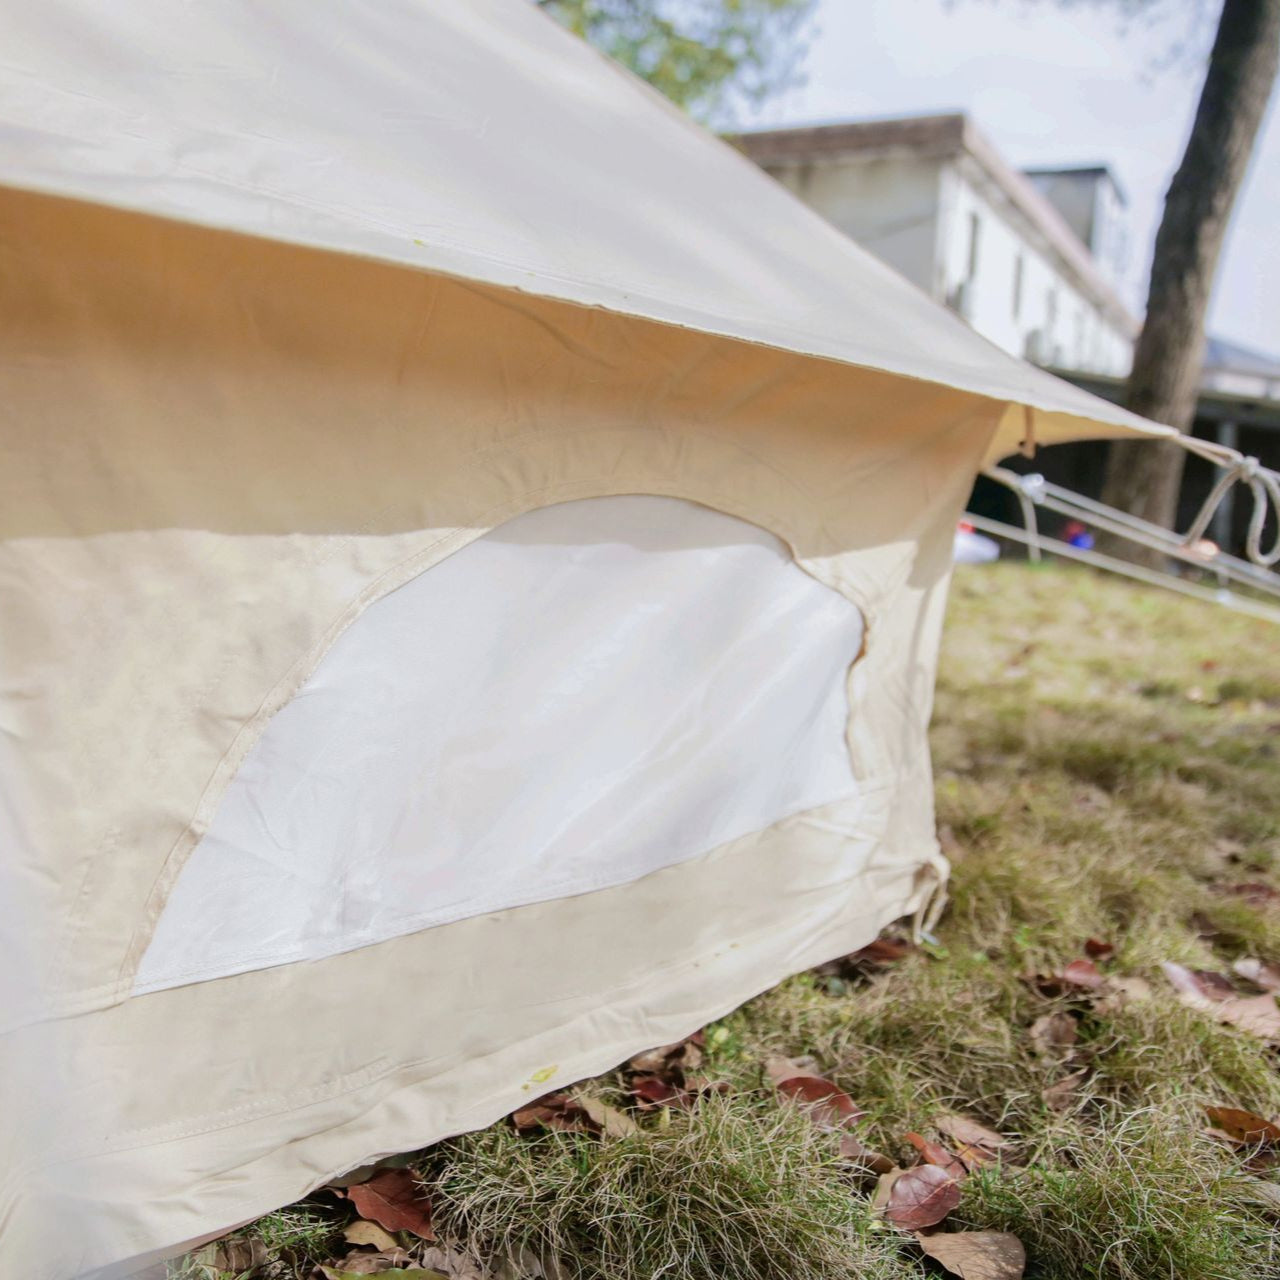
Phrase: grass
(1106, 762)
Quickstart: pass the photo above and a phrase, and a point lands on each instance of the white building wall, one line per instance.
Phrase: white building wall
(1047, 317)
(888, 204)
(916, 212)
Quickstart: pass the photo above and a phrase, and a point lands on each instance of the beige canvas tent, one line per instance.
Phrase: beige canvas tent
(473, 557)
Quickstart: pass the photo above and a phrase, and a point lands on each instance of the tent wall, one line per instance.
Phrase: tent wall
(476, 139)
(219, 452)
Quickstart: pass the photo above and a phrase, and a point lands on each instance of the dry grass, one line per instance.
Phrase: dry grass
(1105, 756)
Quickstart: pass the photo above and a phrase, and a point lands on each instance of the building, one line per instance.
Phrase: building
(1029, 260)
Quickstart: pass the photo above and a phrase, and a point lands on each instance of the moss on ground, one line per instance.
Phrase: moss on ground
(1106, 767)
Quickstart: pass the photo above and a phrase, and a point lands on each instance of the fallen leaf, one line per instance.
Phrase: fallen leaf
(654, 1060)
(1259, 972)
(852, 1149)
(705, 1084)
(863, 964)
(233, 1254)
(1258, 1015)
(684, 1055)
(453, 1264)
(612, 1122)
(1053, 1033)
(1059, 1096)
(1098, 949)
(883, 951)
(1120, 993)
(976, 1255)
(1202, 983)
(828, 1105)
(1123, 991)
(413, 1273)
(1267, 1192)
(1085, 974)
(364, 1232)
(395, 1200)
(933, 1153)
(358, 1263)
(920, 1197)
(652, 1092)
(1244, 1126)
(976, 1144)
(1078, 976)
(556, 1111)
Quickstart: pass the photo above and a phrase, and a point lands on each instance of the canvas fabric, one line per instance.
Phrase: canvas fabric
(247, 396)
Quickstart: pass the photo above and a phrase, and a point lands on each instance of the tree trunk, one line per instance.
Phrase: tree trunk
(1144, 478)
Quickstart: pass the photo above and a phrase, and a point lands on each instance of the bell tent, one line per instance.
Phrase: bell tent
(473, 559)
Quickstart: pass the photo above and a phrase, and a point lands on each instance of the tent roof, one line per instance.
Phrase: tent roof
(477, 139)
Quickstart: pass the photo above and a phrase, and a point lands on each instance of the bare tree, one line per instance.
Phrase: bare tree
(1143, 478)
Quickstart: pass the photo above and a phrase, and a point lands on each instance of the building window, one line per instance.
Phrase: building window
(1017, 286)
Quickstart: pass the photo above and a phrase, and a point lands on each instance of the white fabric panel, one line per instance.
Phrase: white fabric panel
(472, 137)
(588, 693)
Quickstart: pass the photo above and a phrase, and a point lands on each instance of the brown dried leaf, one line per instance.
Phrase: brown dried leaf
(1084, 974)
(395, 1200)
(556, 1111)
(976, 1145)
(653, 1092)
(358, 1264)
(704, 1084)
(933, 1153)
(1076, 978)
(1129, 988)
(920, 1197)
(977, 1255)
(1123, 991)
(653, 1061)
(1259, 972)
(881, 952)
(1259, 1015)
(363, 1232)
(1244, 1126)
(1202, 984)
(1098, 949)
(1213, 994)
(669, 1060)
(1268, 1193)
(363, 1267)
(855, 1152)
(453, 1264)
(1054, 1033)
(828, 1105)
(233, 1254)
(612, 1122)
(1060, 1095)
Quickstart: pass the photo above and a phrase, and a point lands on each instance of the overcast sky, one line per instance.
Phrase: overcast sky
(1050, 86)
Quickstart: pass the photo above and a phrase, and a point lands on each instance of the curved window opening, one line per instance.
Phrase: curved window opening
(582, 696)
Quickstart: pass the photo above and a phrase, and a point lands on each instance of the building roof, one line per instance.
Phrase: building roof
(1080, 170)
(1240, 371)
(947, 134)
(1221, 354)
